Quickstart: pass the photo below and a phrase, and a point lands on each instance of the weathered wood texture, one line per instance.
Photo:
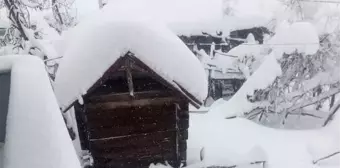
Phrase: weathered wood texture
(124, 130)
(137, 136)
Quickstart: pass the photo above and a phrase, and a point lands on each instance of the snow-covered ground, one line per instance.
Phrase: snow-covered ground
(240, 141)
(212, 138)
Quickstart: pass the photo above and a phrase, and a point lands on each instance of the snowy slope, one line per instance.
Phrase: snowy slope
(98, 42)
(288, 38)
(240, 141)
(35, 133)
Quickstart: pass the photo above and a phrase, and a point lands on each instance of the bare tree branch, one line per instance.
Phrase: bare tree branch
(56, 12)
(14, 17)
(326, 157)
(332, 113)
(315, 99)
(234, 166)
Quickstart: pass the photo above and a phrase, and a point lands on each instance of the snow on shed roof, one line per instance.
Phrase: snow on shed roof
(97, 43)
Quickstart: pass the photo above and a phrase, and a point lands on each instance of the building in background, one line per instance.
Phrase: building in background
(224, 76)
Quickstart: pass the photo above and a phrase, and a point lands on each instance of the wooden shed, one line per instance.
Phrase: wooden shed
(132, 117)
(222, 84)
(132, 107)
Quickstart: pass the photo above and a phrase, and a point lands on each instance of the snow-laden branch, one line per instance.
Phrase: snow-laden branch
(326, 157)
(235, 166)
(315, 99)
(332, 113)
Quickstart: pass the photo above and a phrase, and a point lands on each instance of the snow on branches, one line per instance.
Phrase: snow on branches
(307, 85)
(32, 30)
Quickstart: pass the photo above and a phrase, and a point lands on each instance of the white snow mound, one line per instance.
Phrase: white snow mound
(99, 42)
(188, 17)
(36, 135)
(299, 36)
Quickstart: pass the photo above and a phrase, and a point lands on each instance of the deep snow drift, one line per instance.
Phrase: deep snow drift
(240, 141)
(36, 135)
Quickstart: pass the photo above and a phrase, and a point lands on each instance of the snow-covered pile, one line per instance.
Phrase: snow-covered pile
(98, 42)
(299, 36)
(36, 135)
(231, 61)
(240, 141)
(187, 17)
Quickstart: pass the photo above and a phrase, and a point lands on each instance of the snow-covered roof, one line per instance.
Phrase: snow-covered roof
(97, 43)
(36, 135)
(188, 17)
(224, 24)
(299, 36)
(227, 75)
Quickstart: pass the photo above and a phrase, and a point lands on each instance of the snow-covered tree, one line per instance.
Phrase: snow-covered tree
(309, 82)
(32, 24)
(302, 83)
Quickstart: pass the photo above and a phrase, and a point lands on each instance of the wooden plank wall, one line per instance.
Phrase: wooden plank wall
(122, 131)
(135, 136)
(132, 130)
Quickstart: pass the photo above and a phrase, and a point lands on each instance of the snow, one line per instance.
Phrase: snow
(322, 78)
(30, 3)
(265, 73)
(205, 16)
(4, 24)
(240, 141)
(299, 36)
(261, 78)
(35, 133)
(98, 43)
(50, 36)
(246, 8)
(225, 63)
(72, 123)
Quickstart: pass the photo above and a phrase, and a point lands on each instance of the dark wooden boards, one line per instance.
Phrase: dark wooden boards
(135, 135)
(133, 119)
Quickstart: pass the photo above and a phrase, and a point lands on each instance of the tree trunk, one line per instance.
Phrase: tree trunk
(57, 15)
(331, 104)
(332, 113)
(14, 17)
